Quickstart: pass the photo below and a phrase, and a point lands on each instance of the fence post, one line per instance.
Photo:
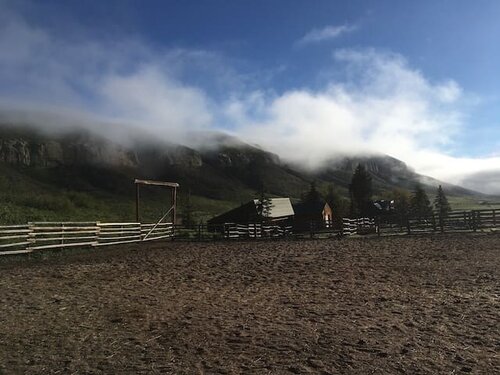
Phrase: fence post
(311, 229)
(494, 219)
(441, 223)
(408, 229)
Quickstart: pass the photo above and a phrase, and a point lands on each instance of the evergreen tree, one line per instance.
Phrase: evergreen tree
(361, 192)
(441, 203)
(402, 204)
(264, 204)
(312, 195)
(420, 206)
(187, 212)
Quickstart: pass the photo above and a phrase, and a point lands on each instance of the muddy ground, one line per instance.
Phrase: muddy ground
(356, 306)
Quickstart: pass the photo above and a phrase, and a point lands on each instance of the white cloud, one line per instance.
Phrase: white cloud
(383, 105)
(388, 108)
(149, 97)
(326, 33)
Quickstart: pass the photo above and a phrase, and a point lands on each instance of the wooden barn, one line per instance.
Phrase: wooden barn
(318, 212)
(280, 211)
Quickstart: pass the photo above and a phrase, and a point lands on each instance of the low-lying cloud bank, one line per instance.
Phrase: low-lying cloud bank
(381, 105)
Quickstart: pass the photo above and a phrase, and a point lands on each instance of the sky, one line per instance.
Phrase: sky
(308, 80)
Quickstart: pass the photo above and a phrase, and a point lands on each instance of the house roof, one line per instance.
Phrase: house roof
(280, 207)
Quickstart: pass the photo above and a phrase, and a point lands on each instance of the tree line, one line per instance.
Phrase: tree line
(361, 203)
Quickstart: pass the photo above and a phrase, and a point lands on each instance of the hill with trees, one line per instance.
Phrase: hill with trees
(78, 175)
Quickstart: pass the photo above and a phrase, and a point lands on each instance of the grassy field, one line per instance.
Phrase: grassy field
(45, 195)
(58, 194)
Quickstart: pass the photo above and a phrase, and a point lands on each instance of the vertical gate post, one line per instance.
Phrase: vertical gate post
(136, 203)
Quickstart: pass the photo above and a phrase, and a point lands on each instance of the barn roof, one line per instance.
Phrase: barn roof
(280, 207)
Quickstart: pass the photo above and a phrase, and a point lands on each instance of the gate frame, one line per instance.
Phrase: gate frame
(173, 200)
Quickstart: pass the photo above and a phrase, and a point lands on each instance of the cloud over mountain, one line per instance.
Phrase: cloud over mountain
(379, 104)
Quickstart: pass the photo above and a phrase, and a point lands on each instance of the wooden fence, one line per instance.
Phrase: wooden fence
(454, 221)
(19, 239)
(363, 225)
(36, 236)
(255, 230)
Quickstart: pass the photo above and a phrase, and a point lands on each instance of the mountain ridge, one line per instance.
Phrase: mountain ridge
(218, 175)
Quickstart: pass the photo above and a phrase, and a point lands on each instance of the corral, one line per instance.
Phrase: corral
(413, 304)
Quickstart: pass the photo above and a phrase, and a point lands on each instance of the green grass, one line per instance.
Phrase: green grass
(46, 195)
(467, 203)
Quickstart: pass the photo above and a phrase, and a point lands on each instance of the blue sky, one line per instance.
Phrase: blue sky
(416, 79)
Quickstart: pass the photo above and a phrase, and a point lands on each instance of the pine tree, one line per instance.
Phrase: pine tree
(312, 195)
(264, 204)
(441, 203)
(420, 206)
(361, 192)
(402, 204)
(187, 214)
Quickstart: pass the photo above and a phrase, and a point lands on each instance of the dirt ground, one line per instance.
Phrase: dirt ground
(417, 305)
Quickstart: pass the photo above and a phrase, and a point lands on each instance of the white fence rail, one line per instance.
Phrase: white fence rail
(20, 239)
(255, 230)
(358, 226)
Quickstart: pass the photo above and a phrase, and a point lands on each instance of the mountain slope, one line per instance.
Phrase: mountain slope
(80, 176)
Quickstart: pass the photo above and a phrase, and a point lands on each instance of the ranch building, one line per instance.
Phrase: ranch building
(319, 212)
(280, 211)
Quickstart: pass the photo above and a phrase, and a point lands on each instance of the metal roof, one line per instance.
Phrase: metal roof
(280, 207)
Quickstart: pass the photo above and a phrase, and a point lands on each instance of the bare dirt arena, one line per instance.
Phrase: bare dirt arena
(356, 306)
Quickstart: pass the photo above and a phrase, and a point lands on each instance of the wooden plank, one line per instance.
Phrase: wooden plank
(15, 231)
(49, 239)
(111, 234)
(117, 224)
(114, 243)
(152, 225)
(61, 222)
(61, 245)
(15, 252)
(14, 244)
(24, 226)
(14, 236)
(120, 230)
(39, 234)
(119, 238)
(63, 228)
(156, 183)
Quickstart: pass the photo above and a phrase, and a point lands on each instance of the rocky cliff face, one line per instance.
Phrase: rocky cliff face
(23, 151)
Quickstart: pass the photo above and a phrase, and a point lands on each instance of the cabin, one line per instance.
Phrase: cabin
(318, 212)
(280, 212)
(383, 207)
